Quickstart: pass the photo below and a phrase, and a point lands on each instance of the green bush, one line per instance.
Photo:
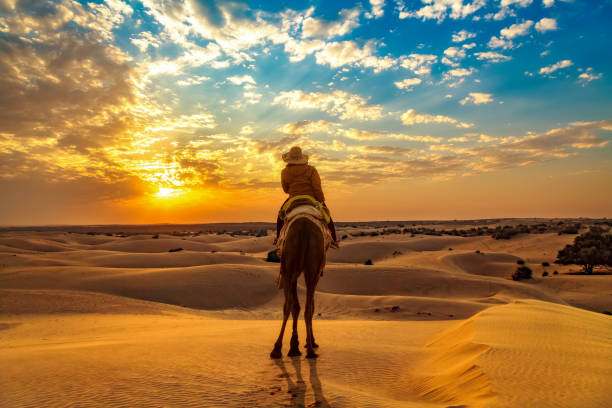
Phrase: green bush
(590, 249)
(522, 272)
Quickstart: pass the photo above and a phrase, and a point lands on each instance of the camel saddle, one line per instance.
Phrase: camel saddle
(304, 204)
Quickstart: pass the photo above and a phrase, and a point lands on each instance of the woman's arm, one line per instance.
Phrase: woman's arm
(316, 186)
(284, 181)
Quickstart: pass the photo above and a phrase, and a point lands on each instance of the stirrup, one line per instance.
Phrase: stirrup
(334, 245)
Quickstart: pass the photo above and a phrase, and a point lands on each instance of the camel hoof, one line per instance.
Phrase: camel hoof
(276, 353)
(314, 345)
(294, 352)
(311, 354)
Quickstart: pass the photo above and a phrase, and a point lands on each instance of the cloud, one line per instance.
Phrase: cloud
(457, 73)
(520, 3)
(440, 9)
(554, 67)
(358, 134)
(588, 76)
(546, 24)
(240, 80)
(412, 117)
(419, 64)
(477, 98)
(337, 103)
(492, 56)
(314, 27)
(377, 9)
(337, 54)
(408, 83)
(306, 127)
(500, 42)
(516, 30)
(462, 35)
(548, 3)
(193, 80)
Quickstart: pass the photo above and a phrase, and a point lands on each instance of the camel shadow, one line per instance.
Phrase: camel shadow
(297, 388)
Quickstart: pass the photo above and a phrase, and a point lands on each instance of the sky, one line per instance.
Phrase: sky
(178, 111)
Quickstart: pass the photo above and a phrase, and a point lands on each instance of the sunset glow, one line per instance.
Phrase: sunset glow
(112, 110)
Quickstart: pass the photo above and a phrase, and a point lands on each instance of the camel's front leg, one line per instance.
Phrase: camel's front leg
(276, 351)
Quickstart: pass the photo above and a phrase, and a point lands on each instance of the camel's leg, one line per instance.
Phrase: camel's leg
(308, 312)
(276, 351)
(295, 312)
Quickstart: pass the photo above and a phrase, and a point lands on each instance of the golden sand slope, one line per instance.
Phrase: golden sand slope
(525, 354)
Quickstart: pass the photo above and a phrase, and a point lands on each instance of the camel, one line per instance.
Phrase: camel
(303, 251)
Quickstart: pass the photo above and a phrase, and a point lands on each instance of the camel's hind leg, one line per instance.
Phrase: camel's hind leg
(295, 312)
(308, 312)
(276, 351)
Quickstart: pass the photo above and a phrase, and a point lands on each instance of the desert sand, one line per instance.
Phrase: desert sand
(113, 320)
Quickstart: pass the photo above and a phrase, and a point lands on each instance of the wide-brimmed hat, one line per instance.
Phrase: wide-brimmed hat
(295, 156)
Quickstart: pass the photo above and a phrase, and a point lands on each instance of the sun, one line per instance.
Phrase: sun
(166, 192)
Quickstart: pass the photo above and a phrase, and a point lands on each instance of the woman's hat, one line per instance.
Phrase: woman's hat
(295, 156)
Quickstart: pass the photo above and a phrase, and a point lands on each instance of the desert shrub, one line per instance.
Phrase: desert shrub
(450, 249)
(555, 272)
(544, 273)
(545, 263)
(368, 262)
(175, 250)
(156, 236)
(590, 249)
(522, 272)
(478, 251)
(273, 256)
(344, 236)
(520, 262)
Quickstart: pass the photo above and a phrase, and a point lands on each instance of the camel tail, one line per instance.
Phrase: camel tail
(295, 251)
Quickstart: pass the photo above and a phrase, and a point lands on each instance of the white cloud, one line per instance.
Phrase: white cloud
(457, 73)
(305, 127)
(520, 3)
(516, 30)
(239, 80)
(357, 134)
(462, 36)
(477, 98)
(554, 67)
(588, 76)
(419, 64)
(193, 80)
(492, 56)
(412, 117)
(546, 24)
(337, 54)
(408, 83)
(548, 3)
(314, 27)
(337, 103)
(500, 42)
(377, 9)
(298, 50)
(455, 53)
(439, 9)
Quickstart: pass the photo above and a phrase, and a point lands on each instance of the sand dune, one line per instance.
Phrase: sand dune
(103, 320)
(518, 355)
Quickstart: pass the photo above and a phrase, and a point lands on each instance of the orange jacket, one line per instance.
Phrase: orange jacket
(298, 179)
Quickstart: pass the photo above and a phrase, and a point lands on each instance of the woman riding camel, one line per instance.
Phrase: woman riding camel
(299, 178)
